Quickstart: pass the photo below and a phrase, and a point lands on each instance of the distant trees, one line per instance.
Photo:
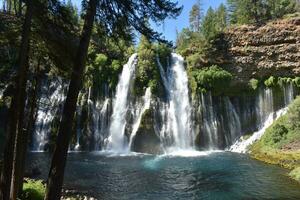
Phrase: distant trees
(195, 42)
(258, 11)
(214, 22)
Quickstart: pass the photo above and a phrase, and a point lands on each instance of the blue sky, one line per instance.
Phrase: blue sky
(170, 25)
(168, 29)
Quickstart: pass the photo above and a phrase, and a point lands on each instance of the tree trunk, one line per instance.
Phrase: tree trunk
(16, 108)
(56, 174)
(15, 7)
(9, 6)
(20, 8)
(29, 127)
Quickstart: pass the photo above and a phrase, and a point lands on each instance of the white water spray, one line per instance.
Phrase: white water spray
(178, 127)
(241, 145)
(117, 140)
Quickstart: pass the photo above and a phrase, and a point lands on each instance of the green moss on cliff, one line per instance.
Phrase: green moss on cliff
(271, 81)
(253, 83)
(211, 78)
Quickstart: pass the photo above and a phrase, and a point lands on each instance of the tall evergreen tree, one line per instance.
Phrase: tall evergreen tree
(10, 173)
(221, 17)
(209, 28)
(195, 17)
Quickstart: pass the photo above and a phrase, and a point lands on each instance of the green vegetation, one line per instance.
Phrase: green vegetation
(285, 130)
(202, 40)
(147, 72)
(253, 83)
(211, 78)
(281, 142)
(33, 190)
(271, 82)
(295, 174)
(259, 11)
(282, 81)
(194, 43)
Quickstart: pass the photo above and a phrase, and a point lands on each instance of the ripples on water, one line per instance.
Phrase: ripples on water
(181, 175)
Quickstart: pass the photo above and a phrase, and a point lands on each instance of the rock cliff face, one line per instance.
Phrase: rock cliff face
(257, 52)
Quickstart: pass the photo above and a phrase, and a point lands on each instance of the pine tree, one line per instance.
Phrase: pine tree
(221, 17)
(209, 28)
(195, 17)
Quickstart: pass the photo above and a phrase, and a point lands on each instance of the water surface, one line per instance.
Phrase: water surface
(219, 175)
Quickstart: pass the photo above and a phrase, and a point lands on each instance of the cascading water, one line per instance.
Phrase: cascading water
(50, 104)
(265, 105)
(145, 106)
(78, 128)
(177, 127)
(241, 146)
(218, 121)
(266, 115)
(210, 121)
(234, 123)
(117, 139)
(288, 93)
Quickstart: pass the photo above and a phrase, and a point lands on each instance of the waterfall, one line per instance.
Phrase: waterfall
(177, 127)
(78, 128)
(210, 121)
(266, 115)
(140, 111)
(50, 104)
(264, 104)
(234, 123)
(100, 123)
(117, 140)
(241, 145)
(288, 92)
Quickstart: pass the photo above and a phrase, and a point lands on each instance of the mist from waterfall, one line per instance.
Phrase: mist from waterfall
(117, 140)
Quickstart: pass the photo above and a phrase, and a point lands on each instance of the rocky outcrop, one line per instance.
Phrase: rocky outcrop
(146, 141)
(258, 52)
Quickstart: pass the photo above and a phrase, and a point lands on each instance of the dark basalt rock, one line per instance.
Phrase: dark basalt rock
(146, 141)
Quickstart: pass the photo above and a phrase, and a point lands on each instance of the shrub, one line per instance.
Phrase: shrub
(213, 78)
(270, 82)
(253, 83)
(294, 114)
(295, 174)
(33, 190)
(296, 81)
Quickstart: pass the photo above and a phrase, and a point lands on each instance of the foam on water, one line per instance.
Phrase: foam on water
(189, 153)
